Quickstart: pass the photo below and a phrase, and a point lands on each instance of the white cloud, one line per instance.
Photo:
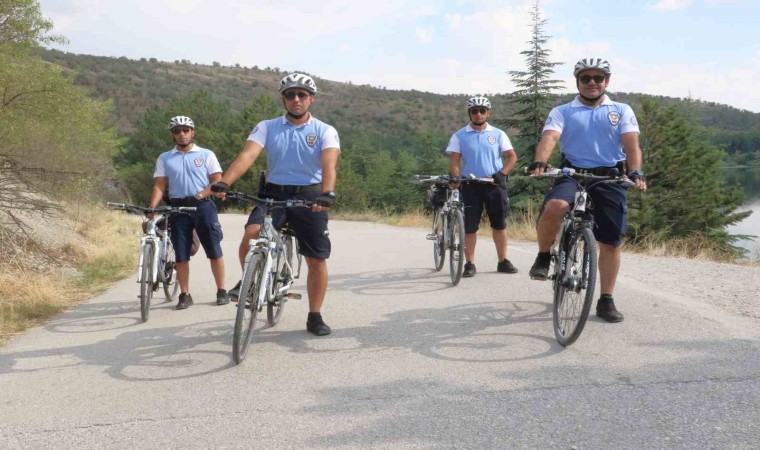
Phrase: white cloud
(424, 35)
(670, 5)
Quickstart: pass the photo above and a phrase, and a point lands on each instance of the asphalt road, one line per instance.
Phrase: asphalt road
(412, 363)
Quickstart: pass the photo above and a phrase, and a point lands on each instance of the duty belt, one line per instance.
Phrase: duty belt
(288, 189)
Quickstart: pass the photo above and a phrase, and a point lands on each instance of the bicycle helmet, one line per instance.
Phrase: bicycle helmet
(298, 80)
(478, 101)
(592, 63)
(181, 121)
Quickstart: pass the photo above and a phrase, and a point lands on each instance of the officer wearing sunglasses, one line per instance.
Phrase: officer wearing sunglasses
(596, 135)
(302, 154)
(484, 151)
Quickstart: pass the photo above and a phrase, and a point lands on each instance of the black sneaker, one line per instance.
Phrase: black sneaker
(185, 300)
(315, 325)
(221, 297)
(234, 293)
(506, 267)
(469, 270)
(540, 268)
(605, 309)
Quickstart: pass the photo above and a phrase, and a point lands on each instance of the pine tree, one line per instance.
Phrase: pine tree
(535, 99)
(687, 195)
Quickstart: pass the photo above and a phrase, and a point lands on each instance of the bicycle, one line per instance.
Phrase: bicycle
(448, 221)
(574, 256)
(157, 259)
(267, 274)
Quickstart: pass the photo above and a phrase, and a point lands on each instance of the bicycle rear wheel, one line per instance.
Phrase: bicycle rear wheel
(439, 252)
(248, 307)
(146, 281)
(280, 276)
(456, 246)
(169, 273)
(574, 287)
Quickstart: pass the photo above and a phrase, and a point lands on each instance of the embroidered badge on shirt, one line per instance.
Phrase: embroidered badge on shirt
(614, 118)
(491, 140)
(198, 162)
(311, 139)
(633, 121)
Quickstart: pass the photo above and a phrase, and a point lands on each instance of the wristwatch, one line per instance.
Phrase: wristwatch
(636, 172)
(330, 194)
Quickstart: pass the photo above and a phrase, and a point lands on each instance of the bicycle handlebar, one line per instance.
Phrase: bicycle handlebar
(270, 202)
(143, 210)
(451, 179)
(568, 172)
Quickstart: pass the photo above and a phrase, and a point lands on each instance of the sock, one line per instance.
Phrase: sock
(314, 316)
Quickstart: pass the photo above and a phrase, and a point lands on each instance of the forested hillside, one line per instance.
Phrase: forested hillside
(395, 116)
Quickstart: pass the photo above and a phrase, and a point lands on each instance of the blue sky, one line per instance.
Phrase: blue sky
(703, 49)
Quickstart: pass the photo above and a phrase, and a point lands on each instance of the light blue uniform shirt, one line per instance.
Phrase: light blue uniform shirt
(294, 153)
(590, 137)
(188, 173)
(481, 150)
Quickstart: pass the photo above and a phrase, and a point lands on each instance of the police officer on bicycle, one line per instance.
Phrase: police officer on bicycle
(302, 154)
(187, 172)
(484, 151)
(596, 135)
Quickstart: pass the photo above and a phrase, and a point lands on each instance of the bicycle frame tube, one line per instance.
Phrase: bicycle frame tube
(146, 241)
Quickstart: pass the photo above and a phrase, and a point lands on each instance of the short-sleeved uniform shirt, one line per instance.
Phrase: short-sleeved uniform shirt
(481, 153)
(294, 158)
(187, 174)
(590, 138)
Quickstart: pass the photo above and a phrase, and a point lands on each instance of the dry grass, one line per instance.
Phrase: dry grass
(41, 282)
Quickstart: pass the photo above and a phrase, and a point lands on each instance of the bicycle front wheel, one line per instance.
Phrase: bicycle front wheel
(439, 252)
(574, 288)
(281, 276)
(169, 273)
(456, 245)
(146, 282)
(254, 280)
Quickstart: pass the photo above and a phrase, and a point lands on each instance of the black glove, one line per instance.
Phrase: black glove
(220, 186)
(536, 164)
(499, 179)
(635, 175)
(327, 199)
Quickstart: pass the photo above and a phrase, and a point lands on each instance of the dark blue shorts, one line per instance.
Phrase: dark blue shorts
(310, 227)
(610, 209)
(493, 199)
(205, 221)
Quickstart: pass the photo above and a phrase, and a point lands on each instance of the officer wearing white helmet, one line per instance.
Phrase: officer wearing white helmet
(484, 151)
(596, 135)
(187, 171)
(302, 154)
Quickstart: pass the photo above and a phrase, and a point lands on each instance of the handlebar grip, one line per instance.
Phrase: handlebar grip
(187, 208)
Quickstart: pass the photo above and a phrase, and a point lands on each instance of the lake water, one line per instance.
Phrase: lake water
(749, 179)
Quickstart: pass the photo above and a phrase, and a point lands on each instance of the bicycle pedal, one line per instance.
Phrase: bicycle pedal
(432, 237)
(293, 296)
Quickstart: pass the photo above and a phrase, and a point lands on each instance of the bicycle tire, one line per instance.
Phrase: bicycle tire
(439, 250)
(574, 289)
(280, 275)
(456, 246)
(248, 307)
(146, 281)
(169, 273)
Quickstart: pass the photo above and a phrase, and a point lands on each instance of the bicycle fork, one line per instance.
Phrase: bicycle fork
(145, 244)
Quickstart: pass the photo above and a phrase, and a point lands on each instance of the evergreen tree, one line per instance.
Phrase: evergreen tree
(534, 98)
(687, 194)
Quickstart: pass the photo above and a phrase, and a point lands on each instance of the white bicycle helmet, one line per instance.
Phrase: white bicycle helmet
(592, 63)
(478, 101)
(182, 121)
(298, 80)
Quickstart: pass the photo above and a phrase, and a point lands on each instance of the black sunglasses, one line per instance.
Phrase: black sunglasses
(291, 95)
(478, 110)
(179, 130)
(586, 78)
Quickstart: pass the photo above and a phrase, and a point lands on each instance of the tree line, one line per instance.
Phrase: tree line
(57, 139)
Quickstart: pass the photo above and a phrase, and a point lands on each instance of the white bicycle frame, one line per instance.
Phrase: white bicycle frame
(267, 241)
(156, 238)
